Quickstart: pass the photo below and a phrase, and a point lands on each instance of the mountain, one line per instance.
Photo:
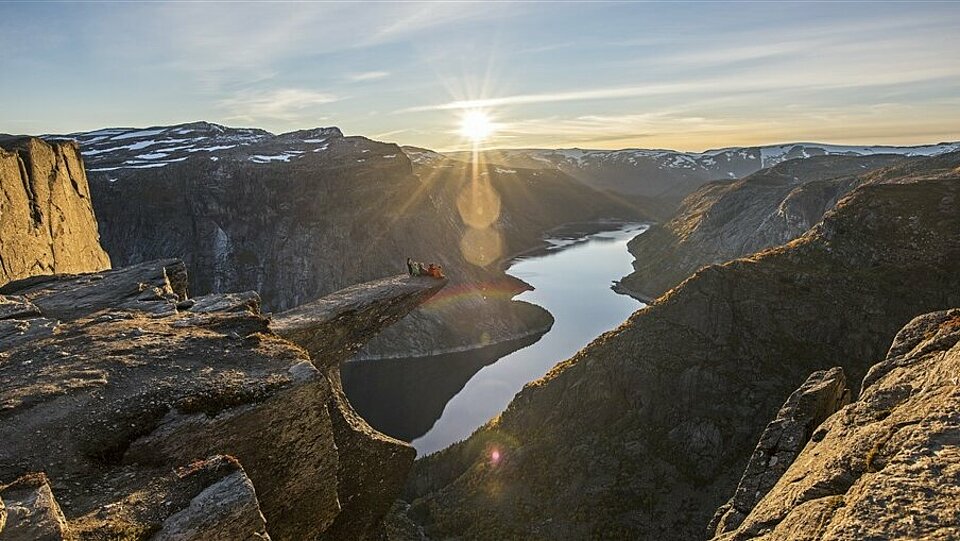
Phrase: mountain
(643, 433)
(670, 175)
(131, 410)
(299, 215)
(724, 220)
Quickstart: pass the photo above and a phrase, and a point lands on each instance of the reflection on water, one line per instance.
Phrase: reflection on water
(411, 398)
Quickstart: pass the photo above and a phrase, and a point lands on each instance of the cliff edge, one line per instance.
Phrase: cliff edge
(129, 410)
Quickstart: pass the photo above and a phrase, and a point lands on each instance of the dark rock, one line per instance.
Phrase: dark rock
(298, 216)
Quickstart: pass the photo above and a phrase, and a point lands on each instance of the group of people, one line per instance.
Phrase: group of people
(415, 268)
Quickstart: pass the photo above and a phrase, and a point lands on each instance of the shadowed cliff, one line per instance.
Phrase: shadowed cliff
(644, 433)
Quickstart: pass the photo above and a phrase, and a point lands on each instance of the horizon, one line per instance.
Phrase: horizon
(496, 149)
(689, 77)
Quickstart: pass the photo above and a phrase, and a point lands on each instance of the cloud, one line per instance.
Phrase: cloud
(279, 104)
(367, 76)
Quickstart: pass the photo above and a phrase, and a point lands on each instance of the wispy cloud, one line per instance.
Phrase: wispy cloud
(367, 76)
(280, 104)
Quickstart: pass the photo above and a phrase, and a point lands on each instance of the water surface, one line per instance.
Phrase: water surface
(410, 398)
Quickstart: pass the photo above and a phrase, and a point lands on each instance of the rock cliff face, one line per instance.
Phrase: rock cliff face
(643, 433)
(128, 410)
(725, 220)
(888, 465)
(823, 393)
(47, 223)
(300, 215)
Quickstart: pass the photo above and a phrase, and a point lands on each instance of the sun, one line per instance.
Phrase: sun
(476, 126)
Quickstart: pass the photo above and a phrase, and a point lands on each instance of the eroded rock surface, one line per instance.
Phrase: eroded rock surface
(47, 223)
(888, 465)
(116, 395)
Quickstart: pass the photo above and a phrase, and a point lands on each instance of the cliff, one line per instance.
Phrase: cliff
(129, 410)
(725, 220)
(47, 223)
(297, 216)
(644, 433)
(885, 467)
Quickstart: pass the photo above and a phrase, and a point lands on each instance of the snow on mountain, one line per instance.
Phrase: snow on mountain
(112, 149)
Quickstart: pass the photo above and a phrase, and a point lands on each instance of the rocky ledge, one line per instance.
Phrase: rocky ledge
(128, 410)
(886, 466)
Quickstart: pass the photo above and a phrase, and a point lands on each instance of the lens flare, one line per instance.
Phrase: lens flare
(481, 247)
(478, 203)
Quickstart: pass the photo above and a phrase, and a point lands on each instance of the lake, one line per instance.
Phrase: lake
(438, 400)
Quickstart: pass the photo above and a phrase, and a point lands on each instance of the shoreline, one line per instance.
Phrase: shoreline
(543, 329)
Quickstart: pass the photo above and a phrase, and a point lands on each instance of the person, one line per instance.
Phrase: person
(409, 266)
(432, 270)
(421, 270)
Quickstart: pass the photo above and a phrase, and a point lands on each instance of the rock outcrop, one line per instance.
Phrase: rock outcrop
(644, 433)
(47, 224)
(888, 465)
(154, 415)
(725, 220)
(823, 393)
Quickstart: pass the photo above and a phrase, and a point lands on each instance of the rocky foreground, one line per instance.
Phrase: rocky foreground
(885, 467)
(129, 410)
(644, 433)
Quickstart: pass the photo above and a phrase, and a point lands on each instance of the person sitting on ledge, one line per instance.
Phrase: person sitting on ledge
(409, 266)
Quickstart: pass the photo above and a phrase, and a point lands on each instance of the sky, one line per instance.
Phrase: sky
(681, 75)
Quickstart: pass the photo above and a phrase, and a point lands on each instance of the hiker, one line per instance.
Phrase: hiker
(421, 270)
(409, 266)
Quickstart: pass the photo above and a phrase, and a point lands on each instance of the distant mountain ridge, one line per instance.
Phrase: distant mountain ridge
(648, 172)
(673, 174)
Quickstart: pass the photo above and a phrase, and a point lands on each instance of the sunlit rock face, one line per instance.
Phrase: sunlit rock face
(47, 223)
(646, 432)
(155, 415)
(888, 465)
(300, 215)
